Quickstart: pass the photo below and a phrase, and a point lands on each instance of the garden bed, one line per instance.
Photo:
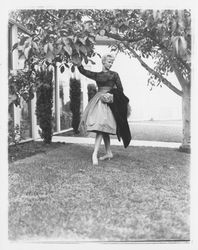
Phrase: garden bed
(27, 149)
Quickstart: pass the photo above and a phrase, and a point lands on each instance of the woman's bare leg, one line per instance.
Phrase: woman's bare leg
(98, 140)
(106, 139)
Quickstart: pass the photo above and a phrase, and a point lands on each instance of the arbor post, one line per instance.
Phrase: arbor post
(14, 38)
(34, 125)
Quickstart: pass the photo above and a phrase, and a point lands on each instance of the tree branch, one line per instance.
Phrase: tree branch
(123, 39)
(155, 73)
(184, 64)
(178, 74)
(161, 45)
(50, 14)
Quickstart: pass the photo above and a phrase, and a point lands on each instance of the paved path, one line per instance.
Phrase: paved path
(83, 140)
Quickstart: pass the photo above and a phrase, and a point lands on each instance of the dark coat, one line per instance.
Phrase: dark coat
(119, 110)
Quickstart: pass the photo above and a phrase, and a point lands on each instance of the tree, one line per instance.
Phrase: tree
(57, 36)
(53, 39)
(68, 36)
(75, 100)
(164, 35)
(44, 104)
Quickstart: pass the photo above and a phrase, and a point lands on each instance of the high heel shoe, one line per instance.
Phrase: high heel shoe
(94, 160)
(107, 156)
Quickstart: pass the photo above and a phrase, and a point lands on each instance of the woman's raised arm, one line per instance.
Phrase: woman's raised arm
(87, 73)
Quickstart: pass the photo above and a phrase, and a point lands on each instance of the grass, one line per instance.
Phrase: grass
(23, 150)
(141, 194)
(154, 131)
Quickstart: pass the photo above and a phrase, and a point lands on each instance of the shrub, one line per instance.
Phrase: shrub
(21, 84)
(75, 100)
(65, 120)
(91, 88)
(44, 105)
(15, 133)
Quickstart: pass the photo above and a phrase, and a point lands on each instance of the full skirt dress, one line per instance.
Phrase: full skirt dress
(97, 116)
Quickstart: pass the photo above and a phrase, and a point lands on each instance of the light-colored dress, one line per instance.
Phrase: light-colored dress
(97, 115)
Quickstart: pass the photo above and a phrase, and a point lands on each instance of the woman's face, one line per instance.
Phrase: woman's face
(108, 63)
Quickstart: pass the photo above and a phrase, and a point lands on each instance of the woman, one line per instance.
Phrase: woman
(98, 116)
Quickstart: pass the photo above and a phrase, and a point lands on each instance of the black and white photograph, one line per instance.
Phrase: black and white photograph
(98, 125)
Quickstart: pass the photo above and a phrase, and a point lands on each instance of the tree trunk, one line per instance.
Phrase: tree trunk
(185, 147)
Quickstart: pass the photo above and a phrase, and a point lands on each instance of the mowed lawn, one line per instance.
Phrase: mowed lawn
(141, 194)
(167, 131)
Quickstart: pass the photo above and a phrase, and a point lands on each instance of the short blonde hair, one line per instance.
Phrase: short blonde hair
(107, 56)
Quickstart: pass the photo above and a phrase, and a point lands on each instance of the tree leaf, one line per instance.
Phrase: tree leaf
(88, 26)
(23, 39)
(98, 55)
(26, 52)
(46, 48)
(28, 42)
(49, 56)
(174, 26)
(183, 44)
(83, 49)
(92, 39)
(37, 67)
(59, 40)
(15, 46)
(113, 30)
(31, 95)
(92, 62)
(86, 60)
(68, 49)
(155, 14)
(21, 48)
(102, 32)
(176, 44)
(76, 59)
(50, 47)
(149, 21)
(180, 14)
(21, 54)
(58, 50)
(62, 69)
(72, 68)
(83, 40)
(35, 46)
